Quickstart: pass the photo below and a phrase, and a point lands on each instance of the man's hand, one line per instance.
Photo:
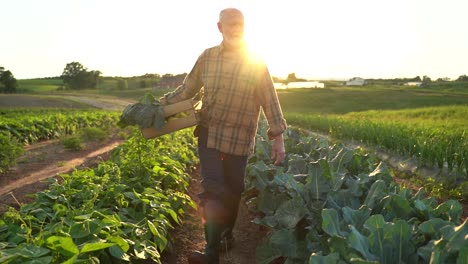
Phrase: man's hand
(277, 150)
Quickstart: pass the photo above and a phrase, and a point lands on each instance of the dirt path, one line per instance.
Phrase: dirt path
(189, 236)
(45, 160)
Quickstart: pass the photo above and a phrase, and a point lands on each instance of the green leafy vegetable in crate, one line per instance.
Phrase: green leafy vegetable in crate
(148, 112)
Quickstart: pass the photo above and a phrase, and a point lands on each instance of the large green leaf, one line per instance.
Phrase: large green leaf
(401, 239)
(64, 245)
(360, 243)
(288, 181)
(317, 258)
(41, 260)
(450, 210)
(261, 173)
(317, 184)
(425, 252)
(357, 218)
(391, 242)
(331, 223)
(344, 198)
(396, 206)
(377, 230)
(375, 195)
(342, 157)
(118, 253)
(341, 246)
(381, 173)
(290, 212)
(288, 244)
(269, 201)
(463, 254)
(432, 227)
(266, 253)
(454, 239)
(85, 228)
(94, 246)
(296, 164)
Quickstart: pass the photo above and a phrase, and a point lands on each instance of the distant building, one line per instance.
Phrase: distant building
(417, 84)
(356, 81)
(293, 85)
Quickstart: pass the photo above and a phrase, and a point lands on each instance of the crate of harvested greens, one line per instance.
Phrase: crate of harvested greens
(177, 116)
(156, 119)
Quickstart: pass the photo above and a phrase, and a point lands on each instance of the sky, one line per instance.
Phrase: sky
(315, 39)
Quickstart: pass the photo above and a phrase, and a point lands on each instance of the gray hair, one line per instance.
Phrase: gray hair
(230, 11)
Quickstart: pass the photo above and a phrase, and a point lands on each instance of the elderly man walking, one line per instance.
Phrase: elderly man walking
(236, 87)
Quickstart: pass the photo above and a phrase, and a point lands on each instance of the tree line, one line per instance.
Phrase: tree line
(75, 77)
(8, 82)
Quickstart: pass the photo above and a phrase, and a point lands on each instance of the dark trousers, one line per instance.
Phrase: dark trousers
(222, 177)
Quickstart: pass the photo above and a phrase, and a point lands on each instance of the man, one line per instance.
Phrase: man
(235, 87)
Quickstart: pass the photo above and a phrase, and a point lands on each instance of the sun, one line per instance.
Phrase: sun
(263, 37)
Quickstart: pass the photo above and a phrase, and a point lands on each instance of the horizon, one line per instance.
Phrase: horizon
(316, 40)
(299, 77)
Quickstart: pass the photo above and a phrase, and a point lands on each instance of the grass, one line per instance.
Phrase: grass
(446, 117)
(342, 100)
(39, 85)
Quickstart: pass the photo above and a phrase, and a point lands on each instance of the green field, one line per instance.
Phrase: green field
(341, 100)
(329, 203)
(428, 123)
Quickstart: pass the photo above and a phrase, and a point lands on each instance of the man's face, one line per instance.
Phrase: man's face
(232, 28)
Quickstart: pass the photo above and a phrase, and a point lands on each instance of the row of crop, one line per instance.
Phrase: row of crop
(332, 204)
(120, 211)
(25, 126)
(432, 146)
(29, 126)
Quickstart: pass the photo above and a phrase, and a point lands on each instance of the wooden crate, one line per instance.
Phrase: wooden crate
(187, 106)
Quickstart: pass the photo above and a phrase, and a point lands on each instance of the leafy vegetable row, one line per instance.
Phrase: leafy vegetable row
(22, 126)
(29, 126)
(119, 212)
(332, 204)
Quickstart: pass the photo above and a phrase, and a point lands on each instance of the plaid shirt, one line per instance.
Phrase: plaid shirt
(235, 87)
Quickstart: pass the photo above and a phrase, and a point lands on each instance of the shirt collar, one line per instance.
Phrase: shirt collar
(223, 48)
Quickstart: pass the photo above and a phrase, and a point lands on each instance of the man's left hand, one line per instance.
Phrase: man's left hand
(277, 150)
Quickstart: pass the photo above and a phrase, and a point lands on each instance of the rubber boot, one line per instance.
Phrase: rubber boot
(214, 215)
(231, 202)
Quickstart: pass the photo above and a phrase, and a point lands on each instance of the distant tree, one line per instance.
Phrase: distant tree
(416, 79)
(463, 78)
(426, 79)
(291, 78)
(76, 76)
(152, 75)
(8, 80)
(92, 78)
